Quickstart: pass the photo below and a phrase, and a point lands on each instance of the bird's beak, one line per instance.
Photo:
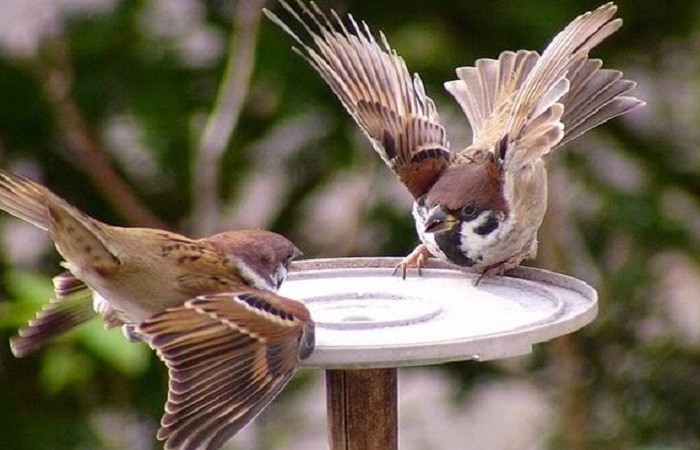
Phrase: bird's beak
(439, 220)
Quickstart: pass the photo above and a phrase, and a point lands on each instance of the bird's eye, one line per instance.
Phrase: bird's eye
(469, 211)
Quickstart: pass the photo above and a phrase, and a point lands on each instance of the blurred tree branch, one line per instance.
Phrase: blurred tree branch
(223, 119)
(83, 148)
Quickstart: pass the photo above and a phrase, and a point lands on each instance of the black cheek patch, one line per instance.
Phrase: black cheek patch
(448, 242)
(490, 225)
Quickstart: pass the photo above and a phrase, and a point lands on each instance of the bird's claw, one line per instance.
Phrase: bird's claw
(496, 270)
(417, 258)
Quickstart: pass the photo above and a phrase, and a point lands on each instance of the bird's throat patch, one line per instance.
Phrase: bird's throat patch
(449, 243)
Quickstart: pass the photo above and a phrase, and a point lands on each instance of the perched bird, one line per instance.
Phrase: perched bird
(482, 206)
(207, 306)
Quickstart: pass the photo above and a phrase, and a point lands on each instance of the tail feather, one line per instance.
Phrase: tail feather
(25, 199)
(77, 236)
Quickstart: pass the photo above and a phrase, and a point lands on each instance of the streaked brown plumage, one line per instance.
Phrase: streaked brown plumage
(482, 206)
(211, 299)
(228, 356)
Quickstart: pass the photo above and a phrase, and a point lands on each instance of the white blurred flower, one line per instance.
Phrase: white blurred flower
(25, 23)
(184, 23)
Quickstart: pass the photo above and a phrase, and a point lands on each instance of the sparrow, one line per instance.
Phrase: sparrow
(208, 307)
(478, 207)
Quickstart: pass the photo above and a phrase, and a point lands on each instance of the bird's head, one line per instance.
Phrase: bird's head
(463, 212)
(264, 256)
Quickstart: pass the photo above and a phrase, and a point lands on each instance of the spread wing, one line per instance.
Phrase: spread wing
(374, 85)
(596, 95)
(523, 105)
(228, 356)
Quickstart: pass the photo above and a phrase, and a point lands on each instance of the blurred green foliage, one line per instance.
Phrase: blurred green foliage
(125, 92)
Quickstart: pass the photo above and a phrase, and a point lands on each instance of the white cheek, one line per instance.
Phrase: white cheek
(483, 249)
(471, 243)
(419, 214)
(250, 276)
(280, 274)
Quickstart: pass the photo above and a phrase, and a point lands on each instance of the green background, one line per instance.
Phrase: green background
(108, 108)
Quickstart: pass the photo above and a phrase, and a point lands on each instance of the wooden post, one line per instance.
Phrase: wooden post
(362, 409)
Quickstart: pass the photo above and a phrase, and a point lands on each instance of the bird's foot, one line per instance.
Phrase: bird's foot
(417, 258)
(500, 268)
(495, 270)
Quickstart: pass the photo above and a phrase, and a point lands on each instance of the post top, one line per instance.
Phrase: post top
(368, 318)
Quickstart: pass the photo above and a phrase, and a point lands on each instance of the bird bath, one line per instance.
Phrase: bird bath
(369, 322)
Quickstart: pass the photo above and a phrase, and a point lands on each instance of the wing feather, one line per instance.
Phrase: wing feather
(228, 356)
(515, 97)
(547, 84)
(71, 307)
(375, 87)
(596, 96)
